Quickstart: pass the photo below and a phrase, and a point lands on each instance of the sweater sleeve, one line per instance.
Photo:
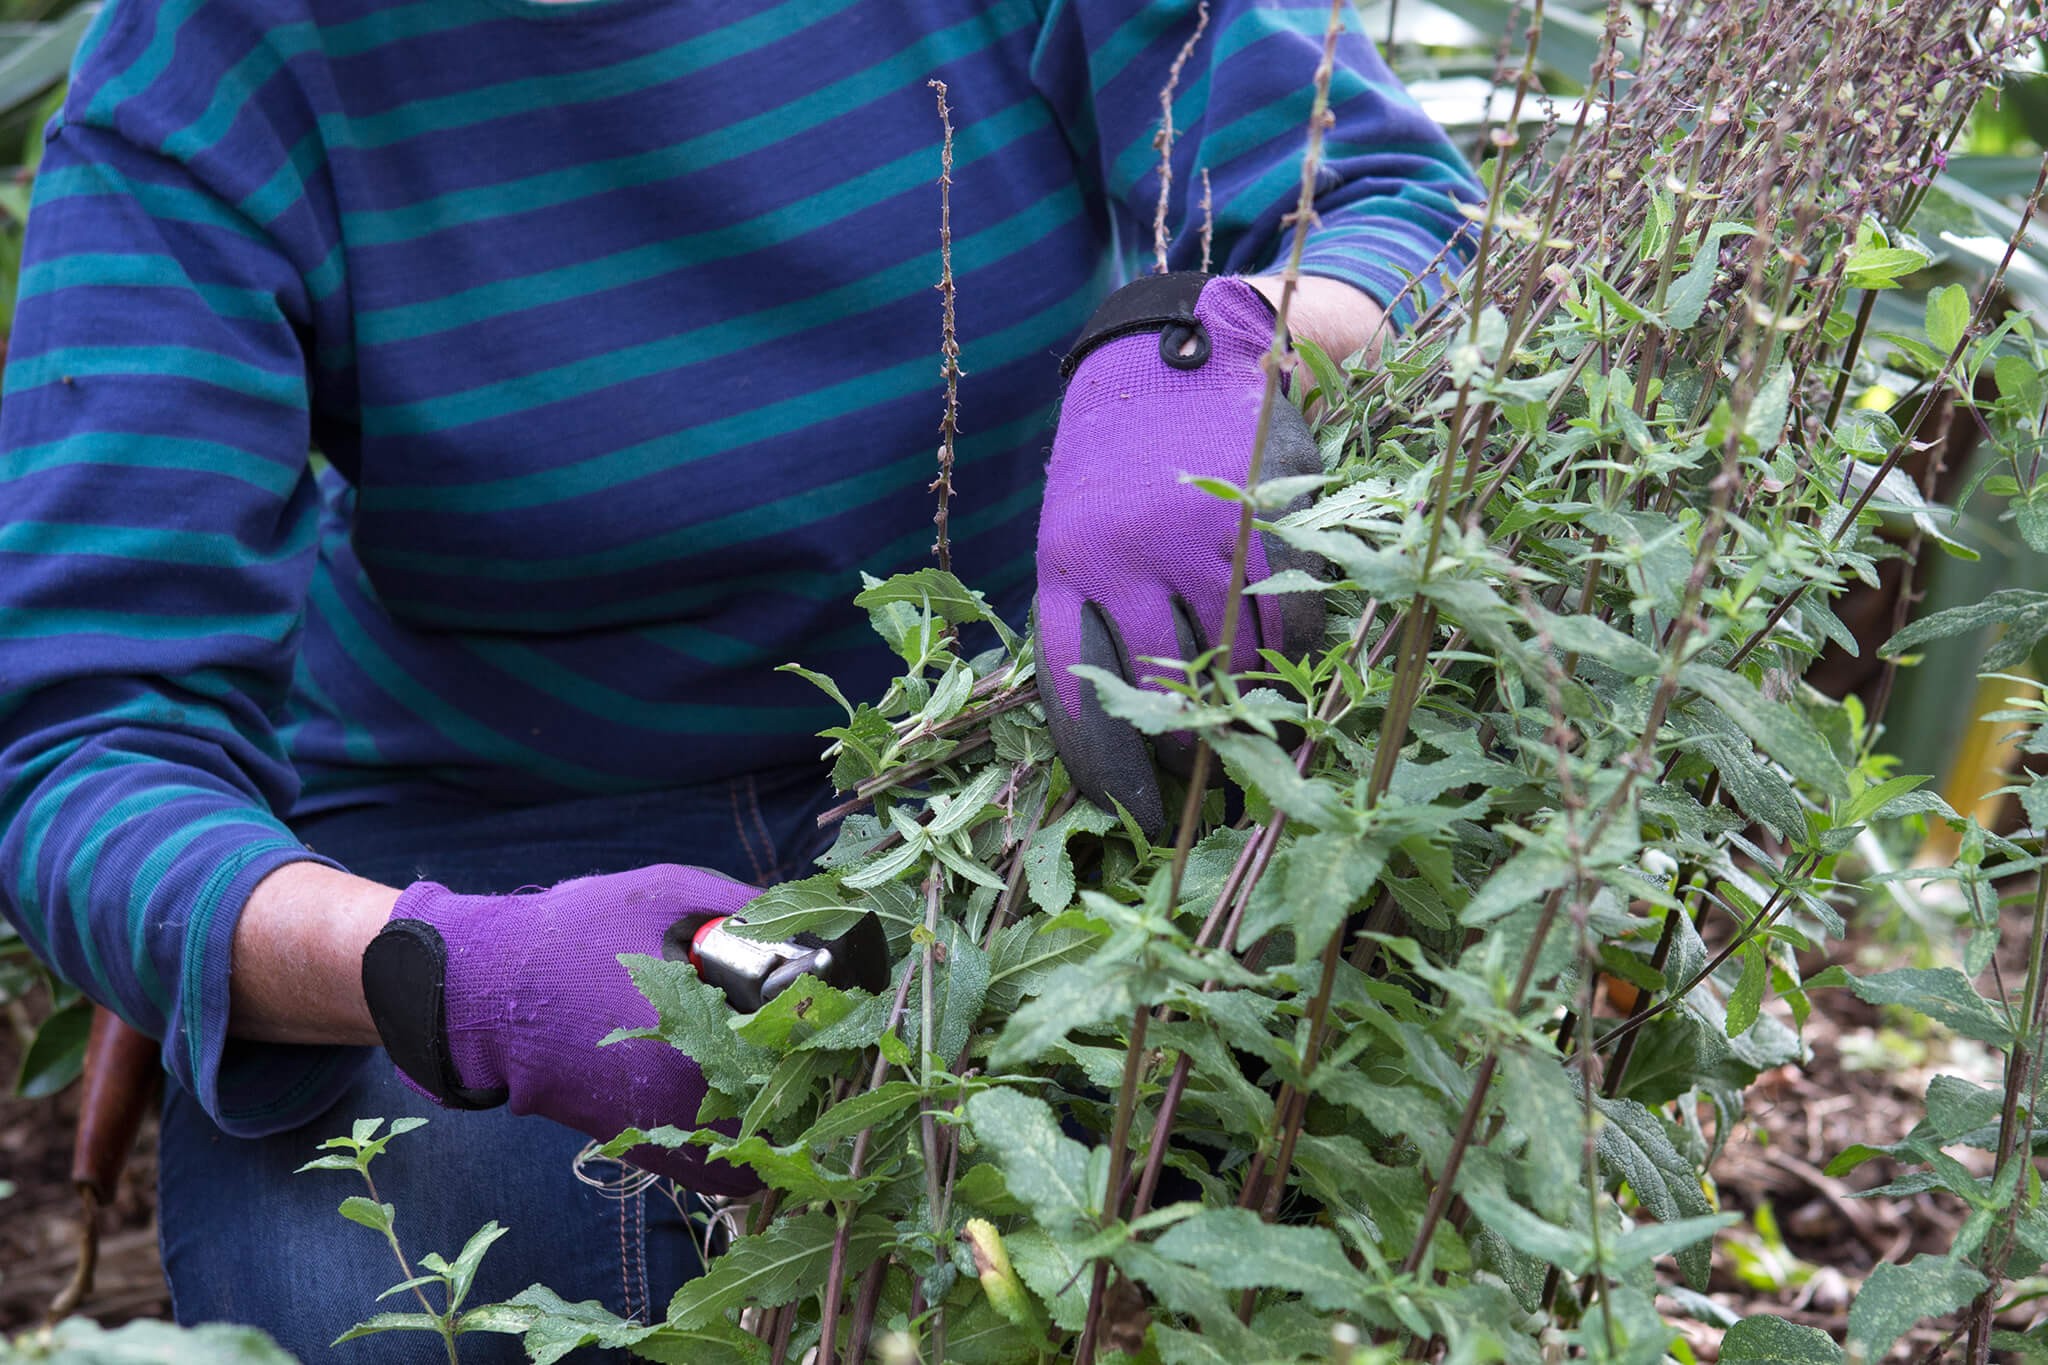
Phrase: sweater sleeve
(1390, 187)
(157, 537)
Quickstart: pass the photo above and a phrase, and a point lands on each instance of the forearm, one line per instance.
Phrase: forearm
(1339, 318)
(296, 973)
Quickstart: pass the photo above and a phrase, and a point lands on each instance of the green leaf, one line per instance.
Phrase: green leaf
(2023, 614)
(818, 905)
(390, 1322)
(856, 1112)
(1314, 883)
(788, 1085)
(81, 1341)
(1042, 1166)
(1029, 954)
(1956, 1106)
(1567, 1248)
(1745, 1002)
(949, 599)
(1263, 766)
(377, 1217)
(1943, 994)
(2031, 512)
(56, 1055)
(1238, 1250)
(792, 1170)
(1687, 296)
(553, 1328)
(1896, 1297)
(1081, 994)
(696, 1019)
(1766, 419)
(1948, 314)
(807, 1007)
(1777, 728)
(1050, 1270)
(1048, 867)
(776, 1266)
(463, 1272)
(1764, 1339)
(1881, 267)
(1633, 1145)
(964, 981)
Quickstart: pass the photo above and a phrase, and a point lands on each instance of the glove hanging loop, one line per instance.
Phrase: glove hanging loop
(1184, 344)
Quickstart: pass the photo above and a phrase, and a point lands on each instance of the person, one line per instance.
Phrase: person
(429, 423)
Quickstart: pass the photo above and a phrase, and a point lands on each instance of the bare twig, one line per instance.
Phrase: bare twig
(949, 346)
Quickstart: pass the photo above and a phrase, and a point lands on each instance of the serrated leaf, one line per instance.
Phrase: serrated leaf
(1080, 994)
(2023, 614)
(1776, 728)
(2031, 512)
(793, 1170)
(1048, 867)
(1264, 767)
(1766, 418)
(1041, 1165)
(964, 978)
(1687, 296)
(696, 1019)
(553, 1328)
(949, 598)
(1050, 1271)
(856, 1112)
(1028, 954)
(1943, 994)
(1765, 1340)
(1897, 1297)
(775, 1266)
(1633, 1145)
(462, 1272)
(1313, 884)
(1237, 1250)
(818, 905)
(1745, 1002)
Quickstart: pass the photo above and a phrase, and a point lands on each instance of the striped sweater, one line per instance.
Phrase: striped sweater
(476, 399)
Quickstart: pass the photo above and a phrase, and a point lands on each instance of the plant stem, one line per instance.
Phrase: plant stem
(949, 425)
(1162, 142)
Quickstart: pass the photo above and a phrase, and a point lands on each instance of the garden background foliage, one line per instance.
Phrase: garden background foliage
(1331, 1073)
(1420, 1038)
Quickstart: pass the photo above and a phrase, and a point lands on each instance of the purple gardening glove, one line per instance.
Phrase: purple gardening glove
(488, 1000)
(1132, 562)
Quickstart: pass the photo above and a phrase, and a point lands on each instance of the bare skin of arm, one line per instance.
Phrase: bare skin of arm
(296, 973)
(1331, 313)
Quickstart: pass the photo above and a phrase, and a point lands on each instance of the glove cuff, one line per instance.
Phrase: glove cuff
(1156, 303)
(405, 984)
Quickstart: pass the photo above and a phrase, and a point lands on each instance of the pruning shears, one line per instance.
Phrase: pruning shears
(752, 973)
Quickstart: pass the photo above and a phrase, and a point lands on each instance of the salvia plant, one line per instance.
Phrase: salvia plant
(1419, 1034)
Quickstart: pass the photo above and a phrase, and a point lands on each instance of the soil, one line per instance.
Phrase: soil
(1865, 1083)
(39, 1223)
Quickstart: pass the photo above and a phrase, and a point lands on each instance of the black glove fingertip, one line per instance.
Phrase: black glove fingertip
(1106, 758)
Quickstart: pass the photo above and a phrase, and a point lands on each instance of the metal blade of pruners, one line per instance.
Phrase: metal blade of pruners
(751, 972)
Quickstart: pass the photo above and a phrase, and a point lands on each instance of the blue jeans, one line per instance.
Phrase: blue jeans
(245, 1240)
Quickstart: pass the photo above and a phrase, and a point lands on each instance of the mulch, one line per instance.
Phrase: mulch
(39, 1224)
(1865, 1083)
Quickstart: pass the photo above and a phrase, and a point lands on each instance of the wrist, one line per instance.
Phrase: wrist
(1339, 318)
(292, 976)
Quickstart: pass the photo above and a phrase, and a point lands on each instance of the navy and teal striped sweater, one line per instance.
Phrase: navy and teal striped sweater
(613, 324)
